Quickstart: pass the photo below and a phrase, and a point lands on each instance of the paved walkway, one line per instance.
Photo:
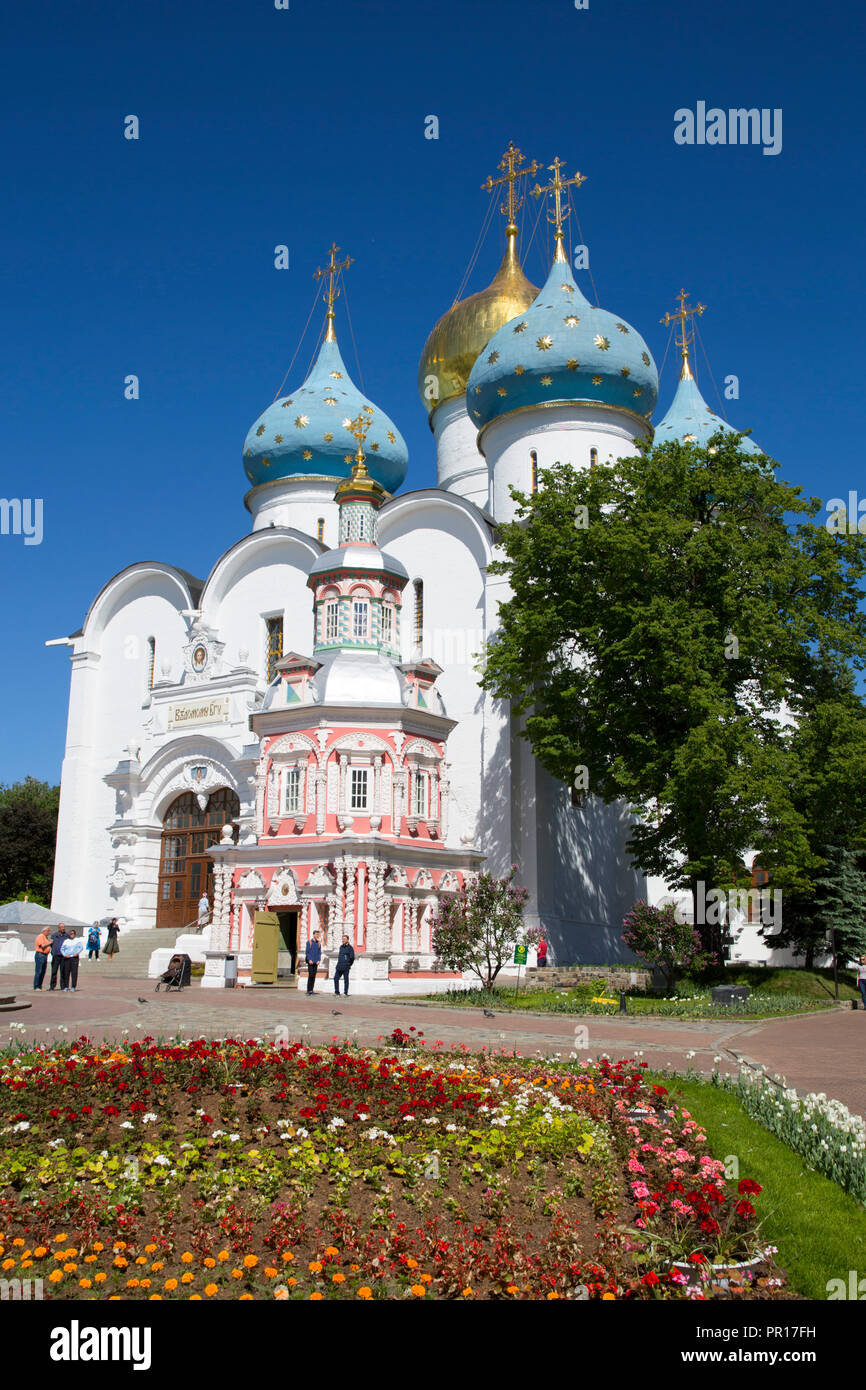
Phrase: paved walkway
(816, 1052)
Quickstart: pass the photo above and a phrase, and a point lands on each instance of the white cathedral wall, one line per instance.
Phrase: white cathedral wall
(460, 468)
(265, 578)
(108, 708)
(557, 434)
(297, 503)
(440, 544)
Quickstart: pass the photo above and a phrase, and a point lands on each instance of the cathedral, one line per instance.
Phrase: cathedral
(301, 735)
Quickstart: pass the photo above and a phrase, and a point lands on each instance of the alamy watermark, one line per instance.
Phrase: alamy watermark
(22, 516)
(737, 126)
(716, 906)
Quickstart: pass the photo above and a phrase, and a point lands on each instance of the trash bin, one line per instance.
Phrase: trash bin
(231, 971)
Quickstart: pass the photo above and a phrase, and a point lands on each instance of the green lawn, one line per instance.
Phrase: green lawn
(820, 1230)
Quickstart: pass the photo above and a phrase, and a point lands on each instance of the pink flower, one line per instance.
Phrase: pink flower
(640, 1189)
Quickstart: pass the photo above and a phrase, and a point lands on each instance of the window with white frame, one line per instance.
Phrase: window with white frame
(332, 620)
(359, 789)
(387, 621)
(360, 619)
(292, 791)
(419, 794)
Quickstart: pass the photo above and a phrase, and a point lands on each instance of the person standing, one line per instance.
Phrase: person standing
(203, 911)
(93, 942)
(313, 955)
(57, 954)
(542, 951)
(70, 951)
(112, 945)
(345, 961)
(42, 950)
(861, 979)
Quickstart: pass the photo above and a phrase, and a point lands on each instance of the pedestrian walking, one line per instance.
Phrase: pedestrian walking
(203, 911)
(70, 952)
(112, 946)
(345, 961)
(313, 955)
(861, 979)
(94, 940)
(57, 954)
(42, 950)
(542, 951)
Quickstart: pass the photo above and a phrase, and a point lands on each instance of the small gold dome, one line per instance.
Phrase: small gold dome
(460, 335)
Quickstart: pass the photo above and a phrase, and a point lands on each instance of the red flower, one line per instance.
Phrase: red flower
(750, 1187)
(650, 1278)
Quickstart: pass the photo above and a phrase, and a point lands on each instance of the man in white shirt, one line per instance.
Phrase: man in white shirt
(203, 911)
(70, 951)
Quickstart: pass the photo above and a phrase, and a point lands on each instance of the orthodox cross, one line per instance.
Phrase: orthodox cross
(332, 270)
(511, 172)
(358, 428)
(682, 316)
(555, 187)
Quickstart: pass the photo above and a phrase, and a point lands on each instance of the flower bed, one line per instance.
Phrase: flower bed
(829, 1137)
(232, 1169)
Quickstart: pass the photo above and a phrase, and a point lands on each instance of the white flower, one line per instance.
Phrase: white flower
(162, 1161)
(149, 1118)
(127, 1124)
(217, 1133)
(302, 1133)
(234, 1138)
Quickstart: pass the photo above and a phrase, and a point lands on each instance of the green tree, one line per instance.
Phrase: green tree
(664, 608)
(28, 830)
(657, 937)
(478, 927)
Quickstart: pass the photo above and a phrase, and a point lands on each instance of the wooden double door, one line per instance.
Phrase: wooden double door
(185, 867)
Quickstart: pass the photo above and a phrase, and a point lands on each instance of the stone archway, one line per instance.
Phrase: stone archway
(185, 867)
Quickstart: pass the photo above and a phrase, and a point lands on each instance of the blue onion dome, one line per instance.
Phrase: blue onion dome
(562, 350)
(307, 434)
(689, 419)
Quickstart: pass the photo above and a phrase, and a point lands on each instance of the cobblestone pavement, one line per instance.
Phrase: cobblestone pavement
(816, 1052)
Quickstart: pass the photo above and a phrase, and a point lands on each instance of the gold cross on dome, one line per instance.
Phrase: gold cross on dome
(511, 172)
(358, 428)
(332, 270)
(687, 335)
(555, 187)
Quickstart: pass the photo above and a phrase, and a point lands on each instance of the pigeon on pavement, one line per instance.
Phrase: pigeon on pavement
(488, 1014)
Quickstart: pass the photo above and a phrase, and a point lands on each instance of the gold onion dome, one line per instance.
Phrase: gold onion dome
(465, 330)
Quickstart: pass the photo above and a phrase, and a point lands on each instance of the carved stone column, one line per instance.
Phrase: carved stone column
(320, 802)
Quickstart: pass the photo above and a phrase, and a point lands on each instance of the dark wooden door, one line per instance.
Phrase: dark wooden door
(185, 867)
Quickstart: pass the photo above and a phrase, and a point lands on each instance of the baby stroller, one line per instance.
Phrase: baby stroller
(178, 973)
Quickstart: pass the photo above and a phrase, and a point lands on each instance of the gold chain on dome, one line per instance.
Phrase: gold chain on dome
(511, 172)
(332, 294)
(555, 187)
(687, 335)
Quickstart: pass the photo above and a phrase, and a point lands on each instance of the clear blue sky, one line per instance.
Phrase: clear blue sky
(262, 126)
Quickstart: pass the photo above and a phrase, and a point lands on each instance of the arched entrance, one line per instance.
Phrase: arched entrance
(185, 867)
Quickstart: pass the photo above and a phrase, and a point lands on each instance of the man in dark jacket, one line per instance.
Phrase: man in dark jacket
(345, 961)
(57, 954)
(313, 955)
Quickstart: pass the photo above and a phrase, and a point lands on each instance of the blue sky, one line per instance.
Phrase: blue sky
(261, 127)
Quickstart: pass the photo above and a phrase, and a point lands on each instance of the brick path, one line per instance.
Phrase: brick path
(817, 1052)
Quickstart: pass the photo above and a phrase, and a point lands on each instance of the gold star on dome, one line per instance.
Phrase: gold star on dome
(494, 357)
(622, 328)
(249, 474)
(347, 458)
(638, 391)
(308, 453)
(278, 439)
(520, 328)
(478, 390)
(625, 371)
(601, 342)
(375, 448)
(572, 321)
(518, 371)
(260, 430)
(287, 403)
(330, 400)
(392, 437)
(347, 423)
(477, 414)
(501, 391)
(544, 343)
(301, 422)
(597, 380)
(572, 364)
(248, 454)
(689, 438)
(645, 358)
(266, 462)
(569, 289)
(338, 376)
(328, 437)
(547, 381)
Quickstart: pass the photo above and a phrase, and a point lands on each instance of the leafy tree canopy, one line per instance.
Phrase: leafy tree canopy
(28, 829)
